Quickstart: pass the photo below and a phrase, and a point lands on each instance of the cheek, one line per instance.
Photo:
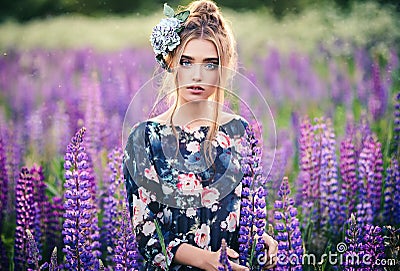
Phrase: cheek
(183, 77)
(212, 78)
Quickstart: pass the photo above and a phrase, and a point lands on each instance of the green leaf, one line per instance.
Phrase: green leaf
(168, 11)
(162, 242)
(182, 16)
(178, 30)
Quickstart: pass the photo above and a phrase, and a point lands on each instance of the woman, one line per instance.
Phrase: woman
(182, 167)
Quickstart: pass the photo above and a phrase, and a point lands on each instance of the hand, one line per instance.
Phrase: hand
(212, 262)
(272, 250)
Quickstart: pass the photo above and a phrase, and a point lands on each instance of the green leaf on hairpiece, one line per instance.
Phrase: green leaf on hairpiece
(178, 30)
(168, 11)
(182, 16)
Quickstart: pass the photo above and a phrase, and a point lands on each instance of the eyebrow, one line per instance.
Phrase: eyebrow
(205, 59)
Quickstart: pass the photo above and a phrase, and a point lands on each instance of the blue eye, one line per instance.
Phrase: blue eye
(185, 63)
(211, 66)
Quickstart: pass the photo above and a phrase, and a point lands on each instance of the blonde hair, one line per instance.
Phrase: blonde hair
(205, 22)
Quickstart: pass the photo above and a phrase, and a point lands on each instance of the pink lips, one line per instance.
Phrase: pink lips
(195, 89)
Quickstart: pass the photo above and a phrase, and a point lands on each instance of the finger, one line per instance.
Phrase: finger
(232, 253)
(236, 267)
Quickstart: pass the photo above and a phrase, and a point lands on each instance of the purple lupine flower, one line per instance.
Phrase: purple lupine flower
(397, 123)
(33, 255)
(25, 216)
(328, 184)
(113, 202)
(353, 250)
(223, 258)
(253, 211)
(126, 255)
(79, 209)
(246, 212)
(348, 173)
(370, 179)
(42, 206)
(378, 102)
(373, 246)
(53, 266)
(288, 227)
(3, 199)
(391, 210)
(307, 173)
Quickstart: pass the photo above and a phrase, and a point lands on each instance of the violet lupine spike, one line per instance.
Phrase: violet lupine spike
(365, 176)
(336, 214)
(247, 211)
(307, 170)
(113, 202)
(126, 255)
(288, 228)
(391, 210)
(370, 176)
(253, 189)
(374, 247)
(41, 206)
(3, 199)
(259, 194)
(348, 173)
(53, 266)
(397, 123)
(328, 184)
(223, 258)
(25, 216)
(79, 210)
(353, 241)
(33, 255)
(378, 102)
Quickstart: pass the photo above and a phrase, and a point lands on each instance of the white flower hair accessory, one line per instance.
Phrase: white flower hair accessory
(165, 35)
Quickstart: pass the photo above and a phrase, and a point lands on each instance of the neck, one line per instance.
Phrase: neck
(201, 112)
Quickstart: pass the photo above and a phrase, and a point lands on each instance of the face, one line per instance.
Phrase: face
(197, 71)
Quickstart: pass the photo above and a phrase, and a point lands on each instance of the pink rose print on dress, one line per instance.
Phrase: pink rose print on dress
(151, 174)
(148, 228)
(144, 195)
(189, 184)
(140, 212)
(209, 196)
(193, 146)
(202, 236)
(223, 140)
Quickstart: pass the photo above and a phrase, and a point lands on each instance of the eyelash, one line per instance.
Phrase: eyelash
(209, 65)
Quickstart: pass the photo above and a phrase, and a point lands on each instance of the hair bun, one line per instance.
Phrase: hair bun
(205, 7)
(204, 12)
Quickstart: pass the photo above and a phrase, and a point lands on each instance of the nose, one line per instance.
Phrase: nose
(197, 76)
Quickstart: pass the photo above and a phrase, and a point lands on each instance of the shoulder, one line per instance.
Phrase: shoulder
(228, 117)
(236, 119)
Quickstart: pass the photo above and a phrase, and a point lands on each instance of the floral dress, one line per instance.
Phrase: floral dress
(175, 194)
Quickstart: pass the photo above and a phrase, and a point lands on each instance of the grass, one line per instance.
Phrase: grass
(367, 24)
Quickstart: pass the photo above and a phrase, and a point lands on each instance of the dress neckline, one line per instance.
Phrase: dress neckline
(190, 127)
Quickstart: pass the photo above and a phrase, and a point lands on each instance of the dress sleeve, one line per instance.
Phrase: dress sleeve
(145, 210)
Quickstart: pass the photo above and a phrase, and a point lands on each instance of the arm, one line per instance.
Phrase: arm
(204, 259)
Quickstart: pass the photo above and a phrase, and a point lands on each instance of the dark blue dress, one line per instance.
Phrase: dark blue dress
(176, 194)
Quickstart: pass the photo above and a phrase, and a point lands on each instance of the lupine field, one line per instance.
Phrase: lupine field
(333, 187)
